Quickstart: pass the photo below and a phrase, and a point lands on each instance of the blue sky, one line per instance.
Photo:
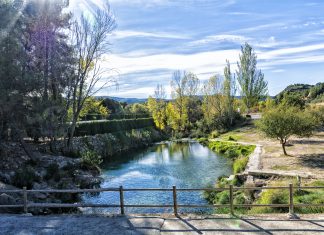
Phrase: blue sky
(156, 37)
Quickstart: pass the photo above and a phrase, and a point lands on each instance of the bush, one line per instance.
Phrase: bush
(25, 177)
(53, 172)
(109, 126)
(231, 138)
(214, 134)
(91, 159)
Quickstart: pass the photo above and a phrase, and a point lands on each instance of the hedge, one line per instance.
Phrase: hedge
(109, 126)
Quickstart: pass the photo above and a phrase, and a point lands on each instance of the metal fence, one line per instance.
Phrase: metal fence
(121, 204)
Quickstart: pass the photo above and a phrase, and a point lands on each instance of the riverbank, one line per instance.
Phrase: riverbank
(41, 168)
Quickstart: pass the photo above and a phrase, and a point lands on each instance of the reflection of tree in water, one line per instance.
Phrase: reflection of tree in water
(182, 149)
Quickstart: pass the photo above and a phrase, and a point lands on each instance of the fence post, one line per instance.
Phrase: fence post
(175, 203)
(291, 214)
(121, 197)
(25, 199)
(231, 199)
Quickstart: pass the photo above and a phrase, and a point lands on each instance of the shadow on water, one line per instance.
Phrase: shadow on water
(186, 165)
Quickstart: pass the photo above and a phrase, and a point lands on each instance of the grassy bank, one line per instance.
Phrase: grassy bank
(238, 153)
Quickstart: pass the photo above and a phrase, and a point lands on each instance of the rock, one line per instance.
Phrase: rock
(232, 177)
(259, 183)
(6, 199)
(87, 180)
(5, 177)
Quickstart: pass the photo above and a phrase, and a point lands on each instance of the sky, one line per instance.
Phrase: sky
(154, 38)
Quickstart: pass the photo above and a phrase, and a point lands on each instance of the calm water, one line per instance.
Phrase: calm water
(186, 165)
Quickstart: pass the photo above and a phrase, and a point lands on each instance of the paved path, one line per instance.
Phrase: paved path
(159, 224)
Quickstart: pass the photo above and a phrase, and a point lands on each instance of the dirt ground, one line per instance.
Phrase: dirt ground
(306, 155)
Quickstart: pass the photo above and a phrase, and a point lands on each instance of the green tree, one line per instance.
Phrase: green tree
(251, 80)
(157, 106)
(229, 93)
(293, 99)
(213, 98)
(93, 109)
(283, 122)
(137, 109)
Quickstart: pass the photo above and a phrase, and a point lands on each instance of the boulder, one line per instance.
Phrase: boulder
(6, 199)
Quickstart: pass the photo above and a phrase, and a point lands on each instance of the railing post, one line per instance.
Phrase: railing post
(292, 214)
(25, 200)
(175, 203)
(121, 197)
(291, 199)
(231, 199)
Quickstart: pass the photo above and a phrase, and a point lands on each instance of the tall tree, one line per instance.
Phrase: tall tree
(213, 98)
(157, 107)
(90, 39)
(50, 59)
(178, 93)
(229, 92)
(251, 80)
(185, 86)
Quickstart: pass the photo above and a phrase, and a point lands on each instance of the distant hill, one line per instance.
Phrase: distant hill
(123, 100)
(310, 93)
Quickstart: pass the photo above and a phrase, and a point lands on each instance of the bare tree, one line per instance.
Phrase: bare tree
(213, 97)
(90, 40)
(159, 92)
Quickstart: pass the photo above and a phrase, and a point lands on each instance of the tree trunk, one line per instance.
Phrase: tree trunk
(284, 148)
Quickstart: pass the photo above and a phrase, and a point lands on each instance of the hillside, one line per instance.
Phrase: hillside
(124, 100)
(310, 93)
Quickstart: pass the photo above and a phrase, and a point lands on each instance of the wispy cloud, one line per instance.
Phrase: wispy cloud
(290, 51)
(121, 34)
(221, 38)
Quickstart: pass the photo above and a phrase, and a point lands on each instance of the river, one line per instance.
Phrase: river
(185, 165)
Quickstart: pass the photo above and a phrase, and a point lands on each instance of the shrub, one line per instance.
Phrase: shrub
(91, 159)
(214, 134)
(53, 172)
(25, 177)
(231, 138)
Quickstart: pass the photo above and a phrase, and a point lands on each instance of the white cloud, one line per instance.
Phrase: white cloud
(221, 38)
(289, 51)
(143, 3)
(120, 34)
(199, 63)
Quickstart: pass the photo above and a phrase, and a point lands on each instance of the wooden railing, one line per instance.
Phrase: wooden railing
(291, 205)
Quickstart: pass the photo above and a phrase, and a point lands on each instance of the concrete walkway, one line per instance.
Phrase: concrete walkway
(160, 224)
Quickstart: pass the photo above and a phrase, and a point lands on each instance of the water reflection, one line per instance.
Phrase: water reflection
(186, 165)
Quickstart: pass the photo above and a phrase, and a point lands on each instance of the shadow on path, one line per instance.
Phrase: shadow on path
(159, 224)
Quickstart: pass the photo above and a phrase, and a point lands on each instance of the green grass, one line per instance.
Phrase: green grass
(281, 196)
(239, 164)
(231, 150)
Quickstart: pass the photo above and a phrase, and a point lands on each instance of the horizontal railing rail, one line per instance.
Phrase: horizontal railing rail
(26, 204)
